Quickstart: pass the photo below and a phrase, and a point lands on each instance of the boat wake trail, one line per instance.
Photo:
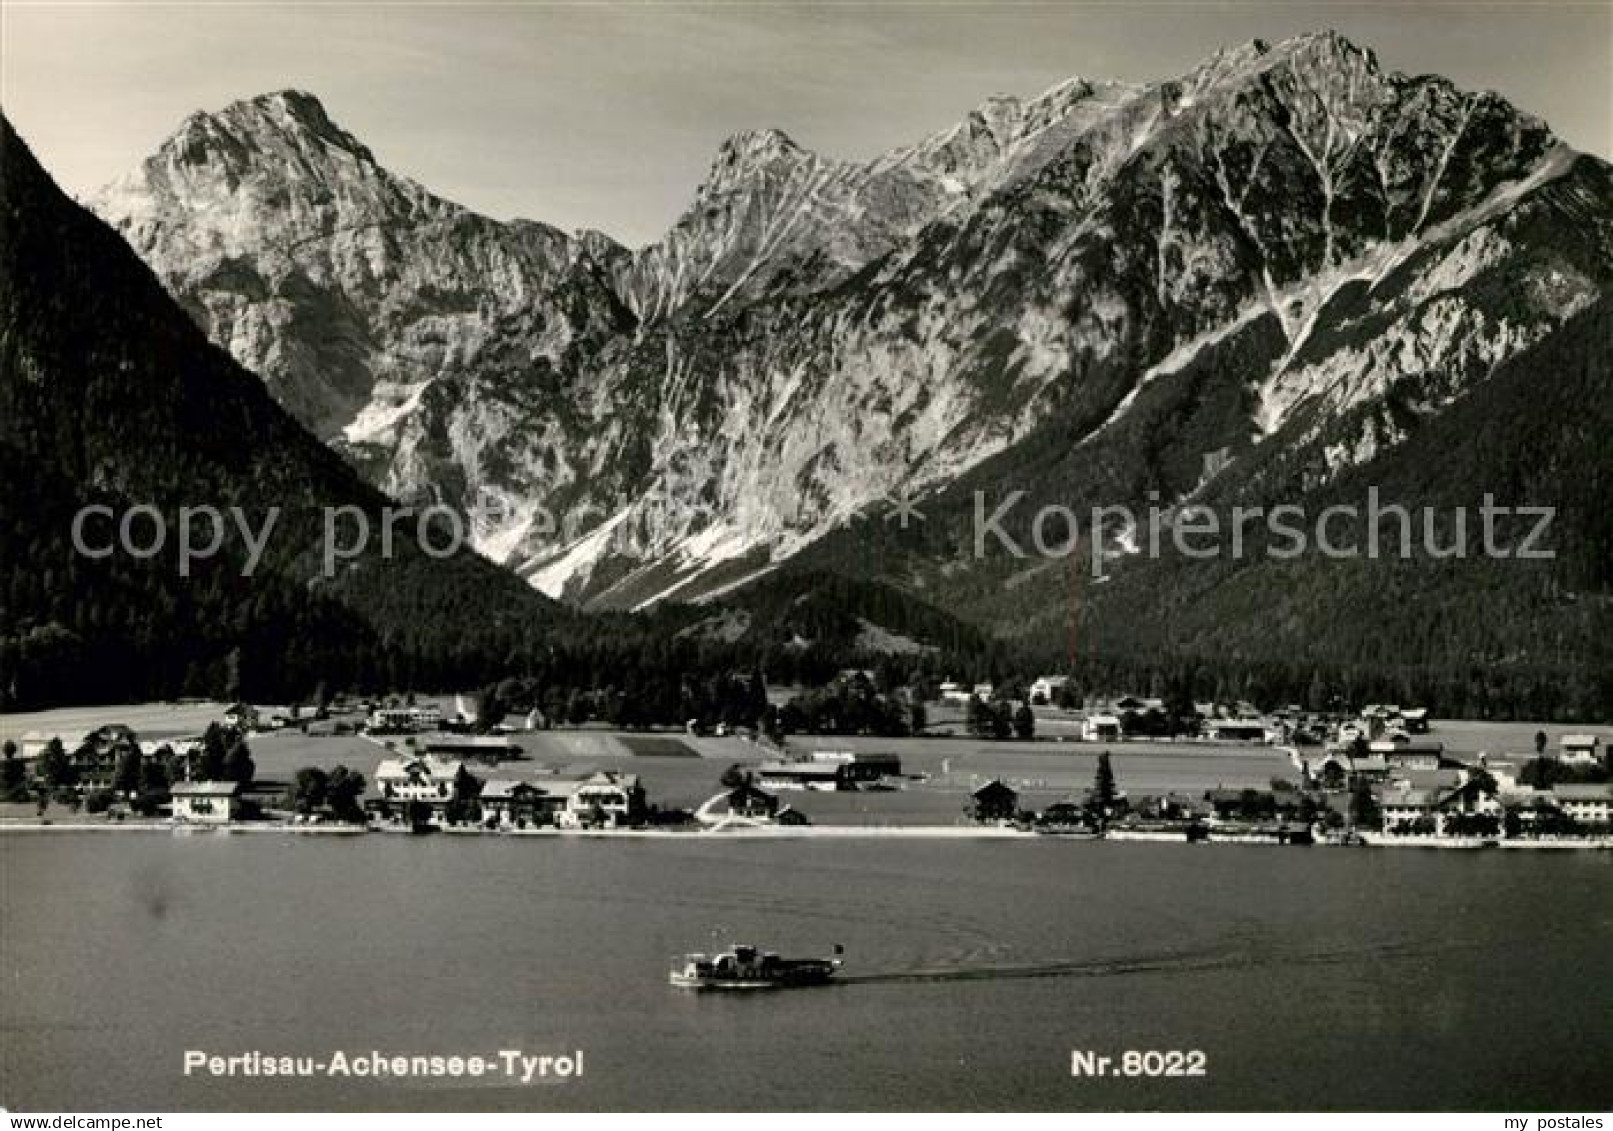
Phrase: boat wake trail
(1027, 970)
(1178, 963)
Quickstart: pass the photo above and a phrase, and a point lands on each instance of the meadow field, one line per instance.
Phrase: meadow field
(148, 720)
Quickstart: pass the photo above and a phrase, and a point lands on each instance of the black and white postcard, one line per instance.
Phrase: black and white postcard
(786, 557)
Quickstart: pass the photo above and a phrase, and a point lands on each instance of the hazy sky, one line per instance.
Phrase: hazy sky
(607, 115)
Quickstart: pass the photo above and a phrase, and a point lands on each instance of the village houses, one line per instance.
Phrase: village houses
(994, 801)
(1590, 806)
(1580, 748)
(607, 799)
(1048, 689)
(206, 802)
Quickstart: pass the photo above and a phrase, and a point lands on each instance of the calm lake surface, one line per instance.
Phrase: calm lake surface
(1311, 978)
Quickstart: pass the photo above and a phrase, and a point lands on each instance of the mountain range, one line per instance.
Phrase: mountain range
(1282, 276)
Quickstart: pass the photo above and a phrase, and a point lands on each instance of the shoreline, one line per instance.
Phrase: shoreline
(808, 832)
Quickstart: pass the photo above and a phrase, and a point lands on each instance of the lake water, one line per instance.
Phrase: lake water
(1310, 978)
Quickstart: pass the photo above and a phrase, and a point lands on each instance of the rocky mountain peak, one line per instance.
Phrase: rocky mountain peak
(1237, 56)
(263, 171)
(267, 215)
(749, 151)
(1000, 110)
(283, 125)
(1325, 58)
(1328, 57)
(1323, 44)
(750, 146)
(1069, 91)
(297, 110)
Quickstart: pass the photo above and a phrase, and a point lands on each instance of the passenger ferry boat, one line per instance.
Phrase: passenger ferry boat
(746, 968)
